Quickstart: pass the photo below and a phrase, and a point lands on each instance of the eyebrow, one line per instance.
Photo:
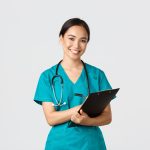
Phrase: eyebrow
(75, 36)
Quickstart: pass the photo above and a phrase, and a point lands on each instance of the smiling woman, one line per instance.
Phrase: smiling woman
(56, 93)
(74, 40)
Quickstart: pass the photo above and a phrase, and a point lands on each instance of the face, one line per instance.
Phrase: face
(74, 42)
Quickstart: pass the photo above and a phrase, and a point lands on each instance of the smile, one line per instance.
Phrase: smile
(74, 51)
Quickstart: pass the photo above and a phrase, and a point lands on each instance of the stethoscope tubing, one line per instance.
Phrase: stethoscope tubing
(58, 103)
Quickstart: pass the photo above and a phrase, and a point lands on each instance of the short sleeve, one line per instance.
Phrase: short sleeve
(104, 83)
(43, 90)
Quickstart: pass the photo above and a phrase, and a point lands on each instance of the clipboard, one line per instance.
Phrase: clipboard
(96, 102)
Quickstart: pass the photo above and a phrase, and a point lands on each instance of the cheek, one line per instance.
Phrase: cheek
(83, 46)
(67, 43)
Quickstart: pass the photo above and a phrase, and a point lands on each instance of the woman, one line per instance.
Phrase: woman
(61, 103)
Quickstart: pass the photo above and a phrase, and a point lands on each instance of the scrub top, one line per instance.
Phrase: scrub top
(62, 137)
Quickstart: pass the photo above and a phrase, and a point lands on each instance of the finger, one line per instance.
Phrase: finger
(81, 111)
(73, 118)
(77, 115)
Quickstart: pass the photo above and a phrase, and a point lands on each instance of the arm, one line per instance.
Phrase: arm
(54, 117)
(103, 119)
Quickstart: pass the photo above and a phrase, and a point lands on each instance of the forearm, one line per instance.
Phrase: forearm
(58, 117)
(100, 120)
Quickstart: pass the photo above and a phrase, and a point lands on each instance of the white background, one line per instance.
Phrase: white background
(119, 45)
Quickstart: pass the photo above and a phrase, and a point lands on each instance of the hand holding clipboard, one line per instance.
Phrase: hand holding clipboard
(96, 102)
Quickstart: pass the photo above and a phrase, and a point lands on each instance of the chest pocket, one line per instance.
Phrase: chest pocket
(75, 101)
(79, 92)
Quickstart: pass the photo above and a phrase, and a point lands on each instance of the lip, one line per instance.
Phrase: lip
(75, 51)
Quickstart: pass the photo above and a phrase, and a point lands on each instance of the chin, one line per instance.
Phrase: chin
(75, 58)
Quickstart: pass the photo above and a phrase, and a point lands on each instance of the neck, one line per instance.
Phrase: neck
(70, 63)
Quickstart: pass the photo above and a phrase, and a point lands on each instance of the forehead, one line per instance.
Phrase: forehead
(77, 31)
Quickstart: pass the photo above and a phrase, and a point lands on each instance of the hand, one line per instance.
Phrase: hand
(82, 118)
(75, 109)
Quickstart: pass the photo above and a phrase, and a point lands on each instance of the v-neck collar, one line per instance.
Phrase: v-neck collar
(73, 83)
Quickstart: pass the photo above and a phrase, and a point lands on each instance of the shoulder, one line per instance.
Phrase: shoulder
(94, 69)
(49, 71)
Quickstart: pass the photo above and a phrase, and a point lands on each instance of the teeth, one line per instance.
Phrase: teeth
(75, 52)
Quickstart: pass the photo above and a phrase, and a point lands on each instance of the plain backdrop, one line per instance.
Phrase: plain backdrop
(119, 45)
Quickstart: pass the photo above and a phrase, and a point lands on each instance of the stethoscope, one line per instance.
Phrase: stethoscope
(59, 102)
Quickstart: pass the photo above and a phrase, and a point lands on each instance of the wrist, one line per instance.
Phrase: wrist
(71, 111)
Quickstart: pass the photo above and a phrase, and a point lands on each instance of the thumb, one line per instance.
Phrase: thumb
(81, 111)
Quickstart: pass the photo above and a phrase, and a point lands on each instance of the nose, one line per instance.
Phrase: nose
(76, 44)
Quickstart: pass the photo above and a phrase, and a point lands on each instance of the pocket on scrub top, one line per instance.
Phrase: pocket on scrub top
(76, 100)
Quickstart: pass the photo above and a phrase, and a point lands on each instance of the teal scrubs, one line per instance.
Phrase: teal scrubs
(61, 137)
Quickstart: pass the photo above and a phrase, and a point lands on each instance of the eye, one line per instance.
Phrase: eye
(72, 39)
(84, 41)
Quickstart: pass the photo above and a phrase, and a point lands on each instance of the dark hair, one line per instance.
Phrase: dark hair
(72, 22)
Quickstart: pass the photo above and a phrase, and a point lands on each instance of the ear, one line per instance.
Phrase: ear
(61, 39)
